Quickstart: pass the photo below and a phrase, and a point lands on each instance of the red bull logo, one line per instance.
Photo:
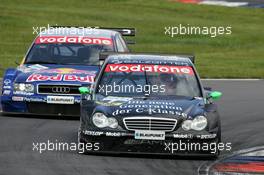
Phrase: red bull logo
(61, 77)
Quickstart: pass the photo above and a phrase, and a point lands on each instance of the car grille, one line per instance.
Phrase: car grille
(149, 123)
(59, 89)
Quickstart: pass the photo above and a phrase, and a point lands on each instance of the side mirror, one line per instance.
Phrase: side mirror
(215, 95)
(208, 88)
(84, 90)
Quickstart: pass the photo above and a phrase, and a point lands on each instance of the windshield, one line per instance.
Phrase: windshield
(134, 80)
(66, 53)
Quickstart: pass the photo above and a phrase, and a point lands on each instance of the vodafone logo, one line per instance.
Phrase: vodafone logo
(149, 68)
(73, 39)
(60, 77)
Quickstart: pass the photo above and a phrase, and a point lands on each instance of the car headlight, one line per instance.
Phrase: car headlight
(198, 123)
(187, 125)
(112, 122)
(24, 87)
(101, 121)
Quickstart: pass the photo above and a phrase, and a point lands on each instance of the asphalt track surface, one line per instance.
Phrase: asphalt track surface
(241, 110)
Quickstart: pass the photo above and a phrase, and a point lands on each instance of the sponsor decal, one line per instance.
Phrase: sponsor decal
(73, 39)
(77, 100)
(113, 134)
(174, 60)
(7, 82)
(60, 100)
(149, 135)
(206, 136)
(150, 111)
(61, 77)
(28, 99)
(15, 98)
(150, 107)
(6, 92)
(149, 68)
(109, 104)
(37, 67)
(190, 136)
(112, 99)
(183, 136)
(140, 142)
(93, 133)
(31, 68)
(22, 93)
(6, 87)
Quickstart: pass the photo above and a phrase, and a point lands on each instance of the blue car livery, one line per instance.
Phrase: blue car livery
(56, 65)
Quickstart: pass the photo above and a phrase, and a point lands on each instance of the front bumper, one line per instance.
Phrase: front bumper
(174, 144)
(37, 105)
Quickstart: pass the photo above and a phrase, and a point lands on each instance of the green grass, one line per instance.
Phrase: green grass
(239, 55)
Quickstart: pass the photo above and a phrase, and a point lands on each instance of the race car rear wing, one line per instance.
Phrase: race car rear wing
(104, 55)
(123, 31)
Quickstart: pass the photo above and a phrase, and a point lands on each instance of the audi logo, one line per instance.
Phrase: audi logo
(63, 90)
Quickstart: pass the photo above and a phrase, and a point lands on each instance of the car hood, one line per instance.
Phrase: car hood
(167, 107)
(73, 74)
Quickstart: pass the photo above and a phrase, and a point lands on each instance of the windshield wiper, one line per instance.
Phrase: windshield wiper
(40, 62)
